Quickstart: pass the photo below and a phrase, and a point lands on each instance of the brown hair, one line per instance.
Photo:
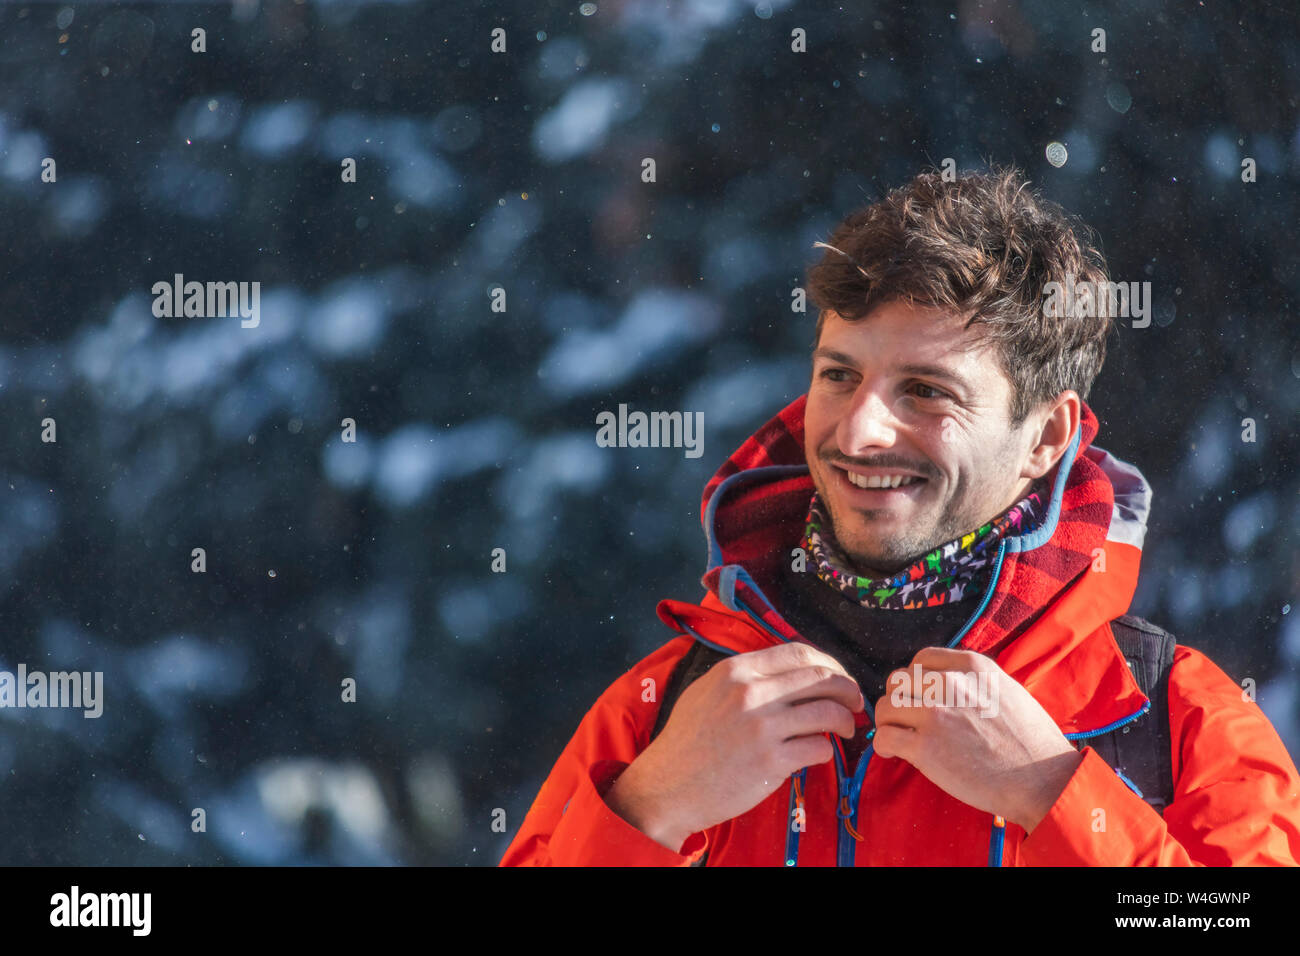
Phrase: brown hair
(982, 246)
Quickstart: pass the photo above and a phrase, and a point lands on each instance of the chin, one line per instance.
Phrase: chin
(880, 566)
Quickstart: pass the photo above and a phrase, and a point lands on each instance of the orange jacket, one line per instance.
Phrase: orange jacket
(1237, 791)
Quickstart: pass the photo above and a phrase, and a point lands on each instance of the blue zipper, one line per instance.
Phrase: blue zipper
(1085, 734)
(792, 838)
(988, 595)
(995, 842)
(847, 845)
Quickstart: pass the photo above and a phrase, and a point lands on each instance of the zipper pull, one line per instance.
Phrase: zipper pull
(842, 806)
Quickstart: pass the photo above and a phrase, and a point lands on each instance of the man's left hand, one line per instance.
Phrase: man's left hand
(1001, 753)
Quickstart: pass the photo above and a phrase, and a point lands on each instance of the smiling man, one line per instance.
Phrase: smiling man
(908, 437)
(913, 646)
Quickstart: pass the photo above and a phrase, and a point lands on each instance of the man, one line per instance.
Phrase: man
(914, 576)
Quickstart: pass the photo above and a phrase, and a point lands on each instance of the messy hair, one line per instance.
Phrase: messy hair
(982, 247)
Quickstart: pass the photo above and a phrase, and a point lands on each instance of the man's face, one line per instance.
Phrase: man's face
(900, 392)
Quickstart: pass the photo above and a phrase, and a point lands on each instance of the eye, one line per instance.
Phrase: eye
(937, 393)
(830, 372)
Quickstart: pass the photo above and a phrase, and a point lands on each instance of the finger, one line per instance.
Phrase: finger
(812, 683)
(948, 659)
(893, 741)
(807, 751)
(816, 717)
(935, 671)
(903, 686)
(889, 713)
(771, 661)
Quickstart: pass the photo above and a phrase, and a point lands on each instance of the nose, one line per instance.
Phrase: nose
(868, 423)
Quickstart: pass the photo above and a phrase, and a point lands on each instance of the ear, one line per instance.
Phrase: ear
(1049, 433)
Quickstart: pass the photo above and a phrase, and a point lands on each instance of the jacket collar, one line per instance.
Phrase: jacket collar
(1045, 621)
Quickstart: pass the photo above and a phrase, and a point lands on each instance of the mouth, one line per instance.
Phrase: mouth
(879, 488)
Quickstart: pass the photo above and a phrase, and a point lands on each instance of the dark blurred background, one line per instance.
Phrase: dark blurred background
(475, 429)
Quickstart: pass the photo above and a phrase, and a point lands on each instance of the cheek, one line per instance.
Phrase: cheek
(954, 452)
(951, 433)
(817, 405)
(818, 425)
(942, 441)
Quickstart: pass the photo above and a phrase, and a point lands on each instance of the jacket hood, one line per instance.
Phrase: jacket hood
(1045, 620)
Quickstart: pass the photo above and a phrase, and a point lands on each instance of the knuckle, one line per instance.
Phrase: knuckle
(745, 662)
(793, 652)
(739, 672)
(749, 695)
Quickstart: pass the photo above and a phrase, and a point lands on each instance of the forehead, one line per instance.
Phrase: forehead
(898, 333)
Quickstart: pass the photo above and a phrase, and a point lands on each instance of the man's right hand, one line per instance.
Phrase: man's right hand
(733, 737)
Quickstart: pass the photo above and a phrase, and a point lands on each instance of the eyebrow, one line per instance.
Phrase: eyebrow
(912, 368)
(935, 371)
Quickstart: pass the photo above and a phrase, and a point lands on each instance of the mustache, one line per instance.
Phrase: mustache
(886, 461)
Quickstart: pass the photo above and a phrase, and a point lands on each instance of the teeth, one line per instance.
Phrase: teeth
(889, 481)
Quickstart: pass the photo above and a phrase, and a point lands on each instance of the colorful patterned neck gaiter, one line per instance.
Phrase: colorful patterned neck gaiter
(940, 577)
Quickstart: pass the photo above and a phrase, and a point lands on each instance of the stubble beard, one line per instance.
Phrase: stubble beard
(897, 554)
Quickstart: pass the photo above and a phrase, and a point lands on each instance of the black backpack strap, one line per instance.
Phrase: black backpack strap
(693, 665)
(1140, 750)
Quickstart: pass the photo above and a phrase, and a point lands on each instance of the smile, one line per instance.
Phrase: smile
(882, 481)
(873, 490)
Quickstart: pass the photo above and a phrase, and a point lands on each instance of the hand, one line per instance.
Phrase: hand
(734, 735)
(1001, 753)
